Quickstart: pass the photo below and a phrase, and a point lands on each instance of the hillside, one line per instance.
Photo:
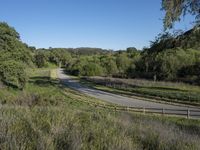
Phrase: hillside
(174, 58)
(186, 40)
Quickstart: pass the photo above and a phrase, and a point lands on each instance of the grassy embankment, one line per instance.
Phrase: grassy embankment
(165, 91)
(47, 115)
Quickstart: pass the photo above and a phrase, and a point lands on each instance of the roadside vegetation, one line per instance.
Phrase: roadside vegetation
(46, 115)
(164, 91)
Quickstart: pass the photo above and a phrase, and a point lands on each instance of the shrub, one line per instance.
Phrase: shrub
(92, 69)
(13, 73)
(40, 59)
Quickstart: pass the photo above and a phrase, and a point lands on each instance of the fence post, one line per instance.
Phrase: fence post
(144, 110)
(127, 108)
(163, 111)
(188, 113)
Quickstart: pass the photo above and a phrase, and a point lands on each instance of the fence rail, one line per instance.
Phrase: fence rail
(188, 113)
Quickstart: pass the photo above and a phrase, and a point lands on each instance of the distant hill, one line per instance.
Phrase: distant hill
(83, 50)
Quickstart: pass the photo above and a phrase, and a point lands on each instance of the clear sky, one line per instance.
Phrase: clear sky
(110, 24)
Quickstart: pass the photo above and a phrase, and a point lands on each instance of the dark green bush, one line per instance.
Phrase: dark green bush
(40, 59)
(13, 73)
(92, 69)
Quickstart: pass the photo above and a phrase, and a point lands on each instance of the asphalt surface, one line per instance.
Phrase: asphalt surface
(125, 101)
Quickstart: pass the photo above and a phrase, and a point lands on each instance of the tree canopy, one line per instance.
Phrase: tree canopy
(176, 8)
(14, 57)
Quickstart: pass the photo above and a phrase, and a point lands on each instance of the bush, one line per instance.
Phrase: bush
(109, 65)
(92, 69)
(11, 47)
(13, 73)
(40, 59)
(166, 65)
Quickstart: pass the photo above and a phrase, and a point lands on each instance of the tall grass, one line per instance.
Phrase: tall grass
(61, 128)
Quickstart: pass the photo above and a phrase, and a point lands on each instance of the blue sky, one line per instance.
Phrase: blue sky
(110, 24)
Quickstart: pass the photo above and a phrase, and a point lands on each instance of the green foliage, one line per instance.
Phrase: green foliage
(92, 69)
(14, 57)
(171, 57)
(11, 48)
(123, 63)
(8, 32)
(175, 8)
(40, 59)
(131, 50)
(166, 40)
(108, 62)
(93, 61)
(171, 61)
(13, 73)
(86, 51)
(167, 65)
(60, 56)
(93, 66)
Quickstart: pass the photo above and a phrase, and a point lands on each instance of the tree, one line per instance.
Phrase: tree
(92, 69)
(11, 47)
(15, 56)
(123, 63)
(131, 49)
(58, 56)
(175, 8)
(109, 65)
(40, 59)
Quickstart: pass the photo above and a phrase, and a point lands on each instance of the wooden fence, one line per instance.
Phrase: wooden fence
(188, 113)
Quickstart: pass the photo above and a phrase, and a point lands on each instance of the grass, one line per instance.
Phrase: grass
(47, 115)
(53, 74)
(167, 91)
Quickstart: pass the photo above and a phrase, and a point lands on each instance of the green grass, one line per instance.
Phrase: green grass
(47, 115)
(167, 91)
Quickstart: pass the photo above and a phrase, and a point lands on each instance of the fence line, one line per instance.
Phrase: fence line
(188, 113)
(162, 111)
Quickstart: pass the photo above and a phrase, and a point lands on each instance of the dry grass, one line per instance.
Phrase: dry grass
(53, 74)
(61, 128)
(145, 83)
(168, 91)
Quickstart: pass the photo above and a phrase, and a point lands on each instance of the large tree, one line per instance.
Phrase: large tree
(176, 8)
(15, 56)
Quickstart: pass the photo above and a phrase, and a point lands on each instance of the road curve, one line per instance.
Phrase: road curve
(117, 99)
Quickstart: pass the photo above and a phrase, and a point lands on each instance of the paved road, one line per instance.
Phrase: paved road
(120, 100)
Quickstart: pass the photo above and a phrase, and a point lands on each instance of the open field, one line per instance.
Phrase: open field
(47, 115)
(165, 91)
